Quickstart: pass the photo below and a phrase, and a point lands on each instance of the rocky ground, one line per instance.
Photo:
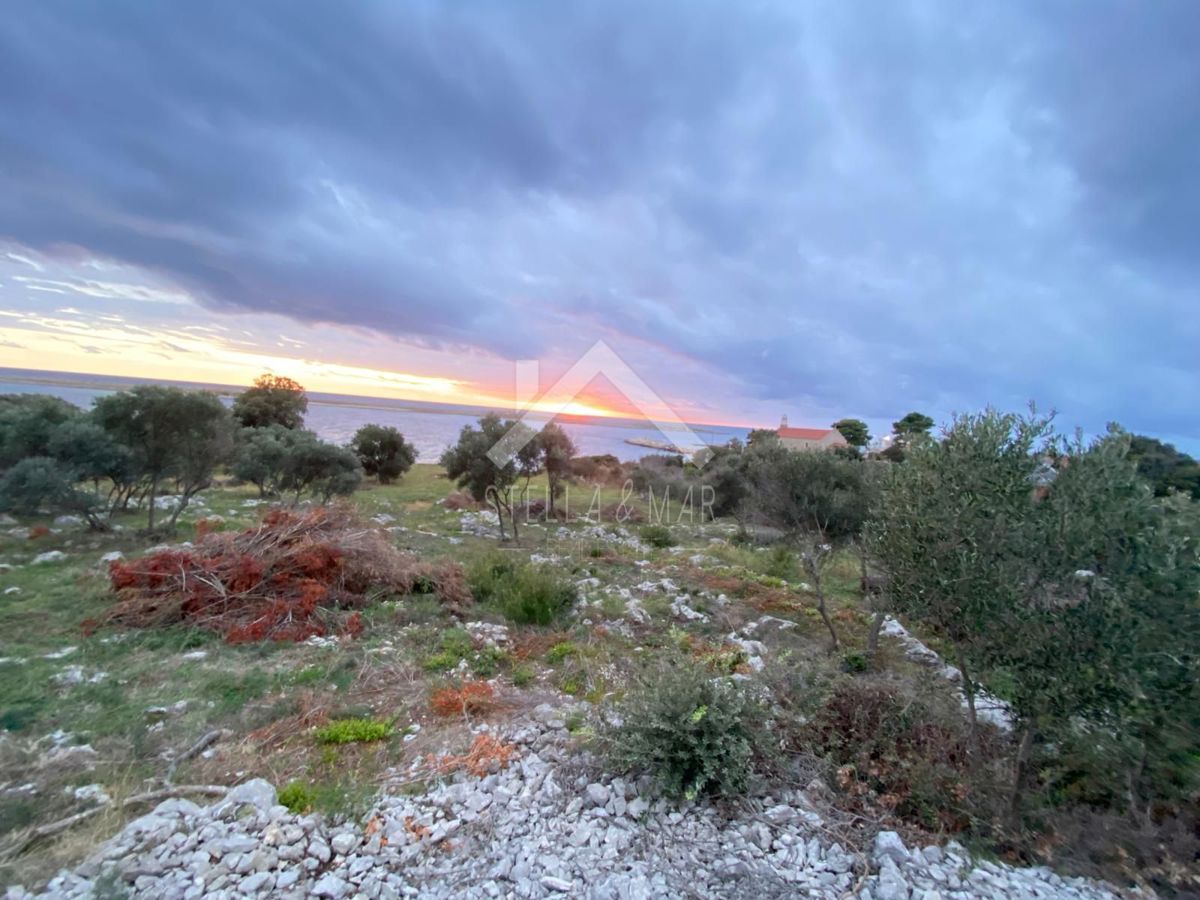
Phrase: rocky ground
(545, 824)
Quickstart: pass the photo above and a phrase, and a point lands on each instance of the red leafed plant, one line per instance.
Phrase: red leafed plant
(469, 698)
(295, 575)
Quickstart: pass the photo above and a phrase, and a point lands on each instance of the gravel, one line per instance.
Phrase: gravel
(540, 828)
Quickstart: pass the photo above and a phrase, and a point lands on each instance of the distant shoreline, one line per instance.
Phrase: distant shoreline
(94, 382)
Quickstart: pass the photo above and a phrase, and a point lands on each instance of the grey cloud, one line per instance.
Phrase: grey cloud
(915, 204)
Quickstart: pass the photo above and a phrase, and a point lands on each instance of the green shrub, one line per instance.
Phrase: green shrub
(526, 594)
(559, 652)
(854, 663)
(456, 645)
(522, 675)
(298, 796)
(694, 733)
(354, 731)
(657, 536)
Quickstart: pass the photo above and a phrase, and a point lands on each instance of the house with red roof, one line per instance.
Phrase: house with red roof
(809, 438)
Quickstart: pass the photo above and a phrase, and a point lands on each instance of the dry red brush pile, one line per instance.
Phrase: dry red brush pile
(296, 575)
(469, 698)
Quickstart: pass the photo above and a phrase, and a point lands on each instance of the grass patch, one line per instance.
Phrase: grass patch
(559, 652)
(659, 536)
(354, 731)
(524, 593)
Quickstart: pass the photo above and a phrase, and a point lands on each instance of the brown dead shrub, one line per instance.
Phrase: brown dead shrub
(295, 575)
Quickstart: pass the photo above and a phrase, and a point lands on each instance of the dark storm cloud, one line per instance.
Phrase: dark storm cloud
(860, 207)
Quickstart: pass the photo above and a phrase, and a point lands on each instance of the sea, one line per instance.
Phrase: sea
(430, 427)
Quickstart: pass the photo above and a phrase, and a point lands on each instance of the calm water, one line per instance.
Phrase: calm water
(429, 427)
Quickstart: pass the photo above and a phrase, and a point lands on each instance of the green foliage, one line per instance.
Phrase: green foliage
(354, 731)
(27, 422)
(557, 451)
(174, 437)
(522, 675)
(457, 645)
(468, 463)
(526, 594)
(38, 482)
(285, 460)
(299, 797)
(1165, 467)
(261, 456)
(319, 469)
(855, 663)
(1069, 584)
(760, 438)
(913, 423)
(383, 452)
(855, 431)
(657, 536)
(811, 492)
(273, 400)
(694, 733)
(560, 651)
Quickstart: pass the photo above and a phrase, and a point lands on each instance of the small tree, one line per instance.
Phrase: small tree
(320, 469)
(383, 452)
(469, 465)
(913, 423)
(91, 454)
(1165, 467)
(818, 500)
(173, 436)
(39, 482)
(557, 450)
(261, 455)
(273, 400)
(762, 437)
(855, 431)
(26, 423)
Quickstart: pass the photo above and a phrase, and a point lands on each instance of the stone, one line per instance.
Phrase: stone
(344, 843)
(557, 884)
(258, 792)
(330, 886)
(888, 845)
(891, 884)
(597, 794)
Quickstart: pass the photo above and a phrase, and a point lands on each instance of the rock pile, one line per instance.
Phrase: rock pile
(541, 827)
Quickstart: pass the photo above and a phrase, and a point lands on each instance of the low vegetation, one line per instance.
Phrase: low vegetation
(748, 647)
(694, 733)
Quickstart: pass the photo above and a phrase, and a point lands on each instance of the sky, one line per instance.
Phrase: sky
(808, 209)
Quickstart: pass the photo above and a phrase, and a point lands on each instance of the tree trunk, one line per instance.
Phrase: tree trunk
(813, 568)
(969, 692)
(1014, 794)
(153, 492)
(499, 511)
(873, 637)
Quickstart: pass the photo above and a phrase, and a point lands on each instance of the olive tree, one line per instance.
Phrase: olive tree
(383, 452)
(273, 400)
(469, 465)
(819, 500)
(557, 450)
(26, 423)
(319, 469)
(1076, 593)
(175, 438)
